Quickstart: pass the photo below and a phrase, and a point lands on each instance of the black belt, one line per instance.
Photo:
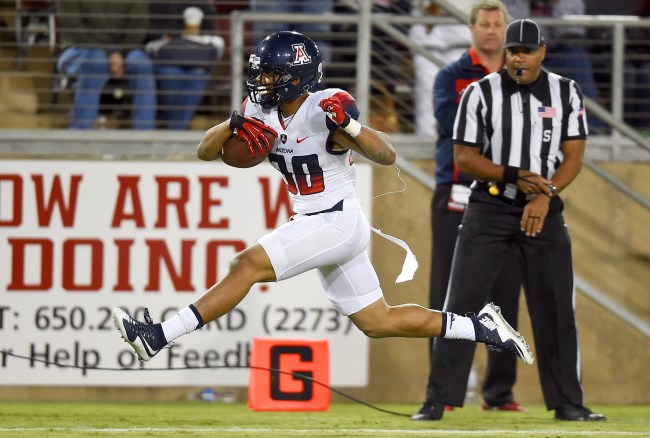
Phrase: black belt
(518, 201)
(337, 207)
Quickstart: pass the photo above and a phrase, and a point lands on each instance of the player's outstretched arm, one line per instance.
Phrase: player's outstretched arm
(372, 144)
(210, 146)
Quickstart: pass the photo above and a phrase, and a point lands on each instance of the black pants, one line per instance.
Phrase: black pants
(489, 232)
(502, 368)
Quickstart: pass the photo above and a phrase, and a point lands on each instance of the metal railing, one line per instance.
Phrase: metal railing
(609, 109)
(371, 56)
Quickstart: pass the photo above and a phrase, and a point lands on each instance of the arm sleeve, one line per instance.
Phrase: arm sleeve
(468, 126)
(575, 116)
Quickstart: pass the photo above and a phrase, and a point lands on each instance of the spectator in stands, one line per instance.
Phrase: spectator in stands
(104, 39)
(166, 18)
(446, 42)
(183, 66)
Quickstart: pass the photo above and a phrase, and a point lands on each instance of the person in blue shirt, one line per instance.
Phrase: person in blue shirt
(104, 40)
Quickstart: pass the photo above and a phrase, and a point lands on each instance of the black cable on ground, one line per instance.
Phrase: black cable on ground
(296, 375)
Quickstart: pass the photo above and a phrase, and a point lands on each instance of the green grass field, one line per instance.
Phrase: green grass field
(57, 419)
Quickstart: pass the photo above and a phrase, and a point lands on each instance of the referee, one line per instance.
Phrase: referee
(487, 23)
(520, 133)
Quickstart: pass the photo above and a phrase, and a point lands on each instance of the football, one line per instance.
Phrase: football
(235, 152)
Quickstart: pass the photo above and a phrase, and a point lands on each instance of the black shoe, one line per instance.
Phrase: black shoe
(571, 412)
(429, 412)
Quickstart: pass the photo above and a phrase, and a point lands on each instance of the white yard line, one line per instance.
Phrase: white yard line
(390, 432)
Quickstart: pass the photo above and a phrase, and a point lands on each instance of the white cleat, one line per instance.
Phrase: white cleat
(145, 338)
(497, 335)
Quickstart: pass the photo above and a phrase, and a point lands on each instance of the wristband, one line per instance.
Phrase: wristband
(352, 127)
(510, 175)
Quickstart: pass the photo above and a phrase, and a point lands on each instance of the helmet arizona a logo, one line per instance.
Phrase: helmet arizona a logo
(301, 56)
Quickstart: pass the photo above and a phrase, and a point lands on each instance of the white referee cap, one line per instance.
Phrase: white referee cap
(524, 33)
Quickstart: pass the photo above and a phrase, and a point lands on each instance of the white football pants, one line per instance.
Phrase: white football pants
(334, 243)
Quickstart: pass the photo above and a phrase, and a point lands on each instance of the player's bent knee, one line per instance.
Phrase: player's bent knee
(243, 262)
(253, 264)
(373, 320)
(373, 330)
(376, 333)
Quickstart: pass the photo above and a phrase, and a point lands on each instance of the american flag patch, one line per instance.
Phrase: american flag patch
(546, 112)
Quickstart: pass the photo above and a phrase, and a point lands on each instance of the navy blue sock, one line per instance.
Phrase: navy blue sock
(159, 338)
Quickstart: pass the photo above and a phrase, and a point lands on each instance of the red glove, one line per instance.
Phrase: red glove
(334, 110)
(332, 106)
(252, 132)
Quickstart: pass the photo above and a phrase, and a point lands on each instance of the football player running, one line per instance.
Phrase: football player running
(316, 133)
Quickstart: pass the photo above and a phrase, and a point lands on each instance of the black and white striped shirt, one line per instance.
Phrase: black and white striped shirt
(521, 126)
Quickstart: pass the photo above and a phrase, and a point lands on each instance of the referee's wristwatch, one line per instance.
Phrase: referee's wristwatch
(553, 190)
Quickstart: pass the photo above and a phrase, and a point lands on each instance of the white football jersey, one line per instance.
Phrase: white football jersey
(316, 176)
